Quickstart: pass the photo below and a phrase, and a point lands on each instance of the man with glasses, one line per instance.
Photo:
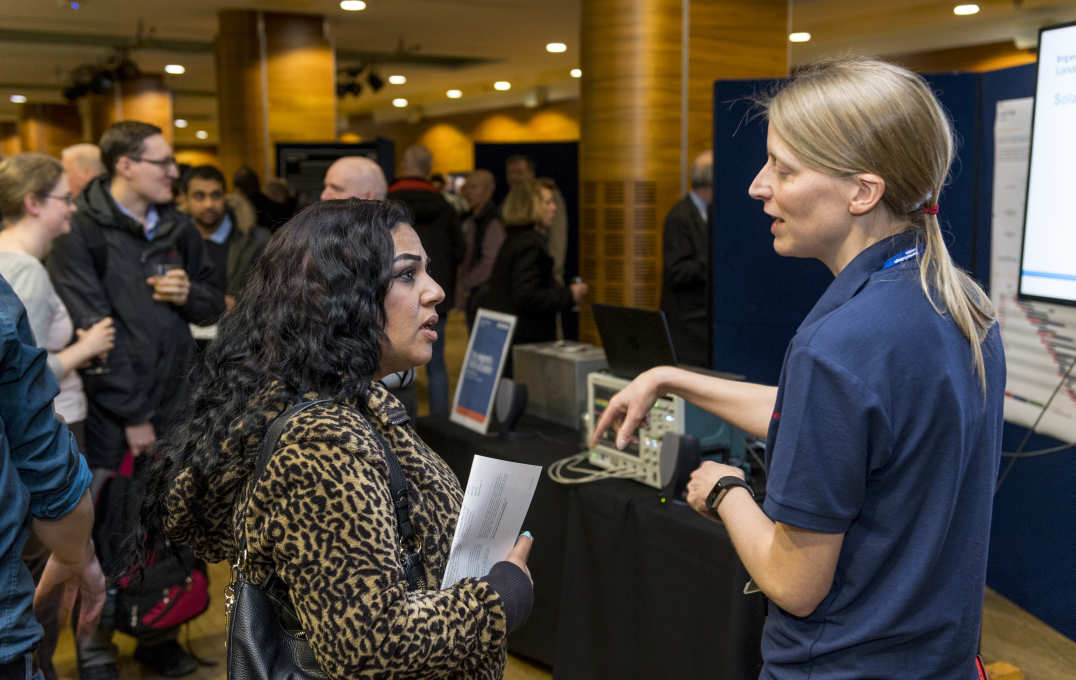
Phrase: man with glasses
(133, 257)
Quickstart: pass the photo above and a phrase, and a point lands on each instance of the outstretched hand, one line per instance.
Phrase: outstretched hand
(627, 410)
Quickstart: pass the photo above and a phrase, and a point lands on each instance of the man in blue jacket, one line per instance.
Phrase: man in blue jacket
(44, 482)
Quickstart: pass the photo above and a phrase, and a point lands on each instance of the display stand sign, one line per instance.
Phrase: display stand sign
(491, 337)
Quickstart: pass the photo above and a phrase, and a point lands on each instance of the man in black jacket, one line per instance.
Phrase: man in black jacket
(132, 256)
(438, 226)
(227, 225)
(685, 279)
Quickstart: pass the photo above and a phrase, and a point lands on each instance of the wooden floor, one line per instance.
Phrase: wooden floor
(1009, 633)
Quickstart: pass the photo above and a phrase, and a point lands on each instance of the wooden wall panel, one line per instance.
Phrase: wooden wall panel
(631, 137)
(199, 155)
(276, 82)
(451, 138)
(988, 57)
(48, 128)
(145, 99)
(10, 144)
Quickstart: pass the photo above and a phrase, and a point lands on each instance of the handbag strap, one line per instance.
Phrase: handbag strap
(401, 503)
(272, 436)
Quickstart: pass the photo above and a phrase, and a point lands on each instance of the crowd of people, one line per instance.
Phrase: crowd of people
(871, 543)
(116, 253)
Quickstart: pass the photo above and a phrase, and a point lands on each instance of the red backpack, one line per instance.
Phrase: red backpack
(173, 587)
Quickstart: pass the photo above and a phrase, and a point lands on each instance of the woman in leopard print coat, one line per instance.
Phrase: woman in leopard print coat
(340, 297)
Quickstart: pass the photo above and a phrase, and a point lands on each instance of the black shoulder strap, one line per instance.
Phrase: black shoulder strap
(272, 436)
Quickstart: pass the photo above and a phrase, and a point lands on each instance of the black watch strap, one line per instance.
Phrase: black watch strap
(717, 494)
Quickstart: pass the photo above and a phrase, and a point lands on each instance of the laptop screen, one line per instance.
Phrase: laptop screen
(635, 340)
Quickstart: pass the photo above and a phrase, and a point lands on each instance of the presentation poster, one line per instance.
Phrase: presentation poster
(1048, 265)
(486, 353)
(1038, 335)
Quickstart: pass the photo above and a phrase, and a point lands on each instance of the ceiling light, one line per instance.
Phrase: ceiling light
(352, 5)
(556, 48)
(18, 99)
(201, 134)
(502, 85)
(181, 123)
(175, 69)
(397, 79)
(799, 36)
(966, 10)
(399, 103)
(576, 72)
(454, 94)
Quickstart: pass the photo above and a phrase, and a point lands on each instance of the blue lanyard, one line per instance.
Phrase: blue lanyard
(901, 257)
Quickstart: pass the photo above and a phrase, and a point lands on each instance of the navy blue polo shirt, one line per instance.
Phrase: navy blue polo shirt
(882, 432)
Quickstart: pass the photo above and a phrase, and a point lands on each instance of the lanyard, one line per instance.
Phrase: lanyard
(901, 257)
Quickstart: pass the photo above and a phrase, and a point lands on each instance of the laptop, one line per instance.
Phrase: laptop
(636, 340)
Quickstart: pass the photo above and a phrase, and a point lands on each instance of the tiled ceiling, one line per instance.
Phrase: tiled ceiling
(41, 41)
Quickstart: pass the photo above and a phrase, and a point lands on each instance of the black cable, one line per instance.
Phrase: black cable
(1040, 452)
(1016, 455)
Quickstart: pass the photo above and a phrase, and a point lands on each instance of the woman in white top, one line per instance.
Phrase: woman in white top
(36, 206)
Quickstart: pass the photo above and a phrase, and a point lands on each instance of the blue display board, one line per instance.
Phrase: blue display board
(487, 349)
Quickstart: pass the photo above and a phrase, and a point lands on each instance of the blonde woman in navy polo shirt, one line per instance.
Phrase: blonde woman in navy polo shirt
(884, 434)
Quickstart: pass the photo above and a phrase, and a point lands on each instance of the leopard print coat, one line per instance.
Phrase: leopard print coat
(321, 517)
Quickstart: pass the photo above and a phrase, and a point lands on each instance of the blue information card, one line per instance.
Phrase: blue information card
(486, 353)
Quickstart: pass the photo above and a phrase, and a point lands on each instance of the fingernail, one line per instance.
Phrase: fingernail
(527, 534)
(620, 443)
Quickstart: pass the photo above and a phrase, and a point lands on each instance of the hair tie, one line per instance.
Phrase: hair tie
(932, 210)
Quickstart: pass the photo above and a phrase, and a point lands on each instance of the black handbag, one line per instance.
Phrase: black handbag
(265, 638)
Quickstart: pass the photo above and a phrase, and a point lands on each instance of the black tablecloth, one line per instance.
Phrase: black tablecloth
(625, 586)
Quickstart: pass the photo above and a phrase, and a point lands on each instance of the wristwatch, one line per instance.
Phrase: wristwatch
(717, 494)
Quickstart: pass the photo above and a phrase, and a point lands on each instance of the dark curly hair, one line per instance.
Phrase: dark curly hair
(310, 319)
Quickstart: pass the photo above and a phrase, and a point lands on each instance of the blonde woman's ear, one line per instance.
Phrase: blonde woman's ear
(869, 190)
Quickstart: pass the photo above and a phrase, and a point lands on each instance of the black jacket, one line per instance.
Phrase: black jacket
(685, 282)
(100, 269)
(438, 225)
(522, 284)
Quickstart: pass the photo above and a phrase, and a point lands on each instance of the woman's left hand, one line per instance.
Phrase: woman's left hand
(702, 483)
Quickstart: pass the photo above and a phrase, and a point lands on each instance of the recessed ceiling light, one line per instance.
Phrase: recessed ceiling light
(397, 79)
(352, 5)
(454, 94)
(18, 99)
(201, 134)
(966, 10)
(399, 103)
(576, 72)
(502, 85)
(181, 122)
(175, 69)
(799, 36)
(556, 48)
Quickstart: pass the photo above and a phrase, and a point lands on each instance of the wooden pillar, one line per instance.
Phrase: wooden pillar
(647, 110)
(10, 144)
(145, 99)
(48, 128)
(276, 82)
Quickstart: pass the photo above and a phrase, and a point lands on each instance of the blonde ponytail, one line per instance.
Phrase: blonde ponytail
(952, 291)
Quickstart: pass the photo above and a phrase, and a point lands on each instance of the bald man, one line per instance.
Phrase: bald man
(483, 234)
(354, 177)
(82, 162)
(685, 281)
